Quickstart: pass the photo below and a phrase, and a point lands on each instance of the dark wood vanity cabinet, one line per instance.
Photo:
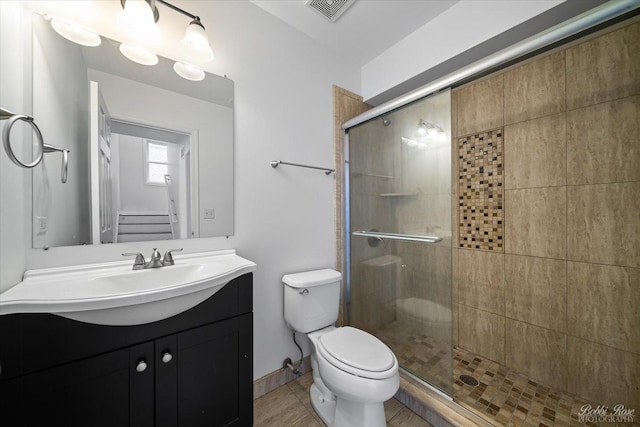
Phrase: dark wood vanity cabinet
(193, 369)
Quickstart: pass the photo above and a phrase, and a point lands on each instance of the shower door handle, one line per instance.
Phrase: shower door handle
(398, 236)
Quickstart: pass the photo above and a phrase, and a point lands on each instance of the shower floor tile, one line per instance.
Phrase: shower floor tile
(503, 397)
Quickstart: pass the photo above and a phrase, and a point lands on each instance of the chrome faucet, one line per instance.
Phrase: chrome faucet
(156, 260)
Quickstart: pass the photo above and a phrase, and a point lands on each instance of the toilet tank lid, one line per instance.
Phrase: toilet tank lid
(308, 279)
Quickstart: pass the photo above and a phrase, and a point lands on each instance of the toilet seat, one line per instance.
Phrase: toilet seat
(358, 353)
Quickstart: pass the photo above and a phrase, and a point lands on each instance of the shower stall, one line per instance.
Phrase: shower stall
(400, 235)
(491, 231)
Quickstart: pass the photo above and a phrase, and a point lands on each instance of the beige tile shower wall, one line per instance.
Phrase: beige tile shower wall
(346, 105)
(561, 301)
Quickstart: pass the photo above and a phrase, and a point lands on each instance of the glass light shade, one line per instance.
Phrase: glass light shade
(432, 132)
(138, 22)
(422, 128)
(138, 54)
(196, 43)
(188, 71)
(409, 142)
(75, 32)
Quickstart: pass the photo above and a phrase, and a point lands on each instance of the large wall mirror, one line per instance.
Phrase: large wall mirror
(151, 154)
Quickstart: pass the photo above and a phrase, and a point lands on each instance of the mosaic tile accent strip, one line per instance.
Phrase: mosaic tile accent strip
(481, 191)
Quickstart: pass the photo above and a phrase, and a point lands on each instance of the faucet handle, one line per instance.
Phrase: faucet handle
(139, 262)
(168, 258)
(155, 256)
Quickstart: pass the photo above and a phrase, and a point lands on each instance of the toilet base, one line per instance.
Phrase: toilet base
(325, 406)
(337, 412)
(355, 414)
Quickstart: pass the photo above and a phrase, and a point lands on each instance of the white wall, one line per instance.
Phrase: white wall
(15, 183)
(461, 27)
(283, 110)
(284, 216)
(134, 194)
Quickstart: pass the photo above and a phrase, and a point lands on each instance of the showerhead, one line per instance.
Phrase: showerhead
(386, 121)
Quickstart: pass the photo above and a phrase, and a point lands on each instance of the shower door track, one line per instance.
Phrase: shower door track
(586, 20)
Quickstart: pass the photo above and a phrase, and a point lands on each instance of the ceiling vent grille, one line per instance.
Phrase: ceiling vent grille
(330, 9)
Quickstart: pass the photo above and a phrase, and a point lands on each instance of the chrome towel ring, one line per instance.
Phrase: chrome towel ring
(43, 148)
(6, 140)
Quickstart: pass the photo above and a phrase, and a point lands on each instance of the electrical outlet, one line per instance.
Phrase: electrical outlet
(209, 214)
(39, 231)
(41, 225)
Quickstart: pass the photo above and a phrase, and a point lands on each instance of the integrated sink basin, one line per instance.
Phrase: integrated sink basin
(113, 294)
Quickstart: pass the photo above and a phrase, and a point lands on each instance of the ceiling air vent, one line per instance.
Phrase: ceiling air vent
(330, 9)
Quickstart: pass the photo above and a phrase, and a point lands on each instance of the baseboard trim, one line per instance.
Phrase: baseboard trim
(278, 378)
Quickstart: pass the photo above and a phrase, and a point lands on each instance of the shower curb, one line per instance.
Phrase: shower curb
(434, 408)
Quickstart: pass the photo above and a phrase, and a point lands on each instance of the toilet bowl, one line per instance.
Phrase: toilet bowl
(353, 371)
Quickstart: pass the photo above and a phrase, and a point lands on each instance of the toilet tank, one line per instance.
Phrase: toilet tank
(311, 299)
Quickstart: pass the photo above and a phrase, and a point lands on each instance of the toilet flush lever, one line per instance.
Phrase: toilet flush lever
(304, 292)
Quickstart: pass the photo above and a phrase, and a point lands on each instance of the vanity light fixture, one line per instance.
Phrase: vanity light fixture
(430, 130)
(75, 32)
(188, 71)
(139, 17)
(138, 20)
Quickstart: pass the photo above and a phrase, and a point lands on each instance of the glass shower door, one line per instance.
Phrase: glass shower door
(400, 266)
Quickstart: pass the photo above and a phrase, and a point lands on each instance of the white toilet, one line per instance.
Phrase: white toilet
(353, 371)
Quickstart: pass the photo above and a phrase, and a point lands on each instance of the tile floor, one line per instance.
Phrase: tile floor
(290, 406)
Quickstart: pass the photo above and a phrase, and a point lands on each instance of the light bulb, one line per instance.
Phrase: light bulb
(188, 71)
(138, 54)
(75, 32)
(138, 21)
(196, 43)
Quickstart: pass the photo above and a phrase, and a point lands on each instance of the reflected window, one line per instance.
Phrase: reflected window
(156, 162)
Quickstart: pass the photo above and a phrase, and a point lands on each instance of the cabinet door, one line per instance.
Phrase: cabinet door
(105, 390)
(208, 381)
